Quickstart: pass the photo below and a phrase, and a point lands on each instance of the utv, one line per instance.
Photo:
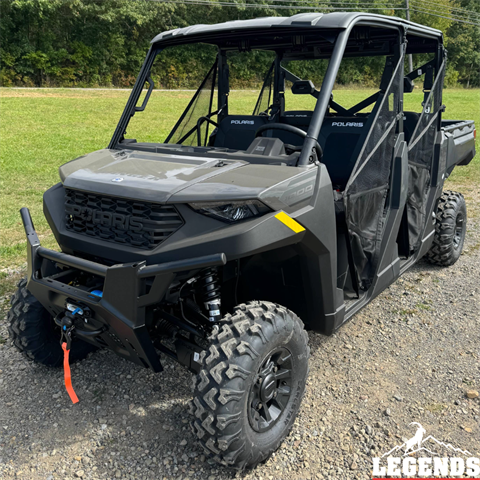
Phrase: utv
(209, 247)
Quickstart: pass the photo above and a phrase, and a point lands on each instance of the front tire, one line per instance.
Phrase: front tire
(251, 384)
(34, 332)
(450, 229)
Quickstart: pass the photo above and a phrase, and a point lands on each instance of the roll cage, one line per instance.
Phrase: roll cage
(305, 36)
(359, 149)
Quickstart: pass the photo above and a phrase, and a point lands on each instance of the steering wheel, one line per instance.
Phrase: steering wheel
(289, 128)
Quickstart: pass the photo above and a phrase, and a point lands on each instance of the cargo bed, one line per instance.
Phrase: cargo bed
(460, 137)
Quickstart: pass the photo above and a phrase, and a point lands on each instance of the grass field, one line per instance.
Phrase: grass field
(42, 129)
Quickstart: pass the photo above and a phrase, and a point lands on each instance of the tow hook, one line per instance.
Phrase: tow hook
(67, 327)
(66, 322)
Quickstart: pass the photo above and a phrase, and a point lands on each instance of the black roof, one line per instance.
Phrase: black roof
(336, 20)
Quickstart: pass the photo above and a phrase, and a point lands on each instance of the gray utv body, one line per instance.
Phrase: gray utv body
(334, 224)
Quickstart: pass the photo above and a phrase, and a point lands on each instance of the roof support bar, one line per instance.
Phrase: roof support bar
(323, 101)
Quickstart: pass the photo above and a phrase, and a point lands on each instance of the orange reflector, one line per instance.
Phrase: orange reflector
(67, 375)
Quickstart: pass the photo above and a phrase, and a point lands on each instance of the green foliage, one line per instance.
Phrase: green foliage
(103, 43)
(78, 42)
(464, 48)
(441, 9)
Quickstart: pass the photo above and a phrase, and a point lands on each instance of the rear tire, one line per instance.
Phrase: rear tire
(251, 384)
(450, 229)
(34, 332)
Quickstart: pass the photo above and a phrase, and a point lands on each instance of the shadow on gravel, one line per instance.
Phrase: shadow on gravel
(128, 421)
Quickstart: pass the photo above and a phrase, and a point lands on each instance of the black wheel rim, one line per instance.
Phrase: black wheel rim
(271, 390)
(458, 235)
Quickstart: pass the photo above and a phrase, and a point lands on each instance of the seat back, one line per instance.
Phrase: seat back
(238, 131)
(410, 120)
(341, 139)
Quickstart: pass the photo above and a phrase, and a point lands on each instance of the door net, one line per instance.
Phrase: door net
(420, 155)
(367, 188)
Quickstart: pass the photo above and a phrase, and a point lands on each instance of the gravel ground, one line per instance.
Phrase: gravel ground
(411, 355)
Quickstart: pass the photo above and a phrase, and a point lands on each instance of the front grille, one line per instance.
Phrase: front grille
(129, 222)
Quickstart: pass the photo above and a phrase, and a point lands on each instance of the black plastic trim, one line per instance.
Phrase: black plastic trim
(117, 319)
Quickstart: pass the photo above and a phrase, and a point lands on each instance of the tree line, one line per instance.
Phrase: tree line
(93, 43)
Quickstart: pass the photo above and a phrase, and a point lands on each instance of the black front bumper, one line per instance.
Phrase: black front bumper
(116, 320)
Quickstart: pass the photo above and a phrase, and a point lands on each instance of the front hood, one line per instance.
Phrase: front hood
(144, 176)
(160, 178)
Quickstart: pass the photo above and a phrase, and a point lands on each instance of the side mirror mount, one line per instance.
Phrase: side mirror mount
(408, 85)
(303, 87)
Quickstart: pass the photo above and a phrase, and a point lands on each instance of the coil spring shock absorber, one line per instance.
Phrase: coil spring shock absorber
(211, 293)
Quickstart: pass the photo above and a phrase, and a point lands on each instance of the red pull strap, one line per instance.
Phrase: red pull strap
(67, 375)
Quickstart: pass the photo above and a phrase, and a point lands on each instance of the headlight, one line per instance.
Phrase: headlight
(233, 211)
